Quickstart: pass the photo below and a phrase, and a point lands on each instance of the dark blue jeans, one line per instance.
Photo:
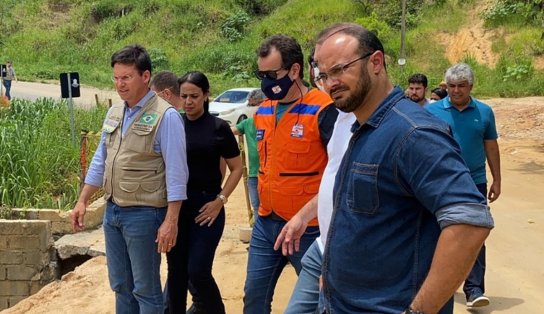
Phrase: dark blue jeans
(474, 284)
(7, 85)
(192, 257)
(264, 265)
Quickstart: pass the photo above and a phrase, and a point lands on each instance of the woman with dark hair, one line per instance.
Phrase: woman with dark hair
(438, 93)
(202, 216)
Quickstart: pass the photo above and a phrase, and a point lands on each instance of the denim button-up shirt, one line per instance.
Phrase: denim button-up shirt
(401, 181)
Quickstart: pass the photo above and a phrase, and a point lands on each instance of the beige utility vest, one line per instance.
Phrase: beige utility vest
(134, 173)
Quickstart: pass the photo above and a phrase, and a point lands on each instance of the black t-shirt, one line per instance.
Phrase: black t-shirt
(208, 139)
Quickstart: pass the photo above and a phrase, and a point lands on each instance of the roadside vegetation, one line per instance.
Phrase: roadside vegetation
(219, 37)
(39, 164)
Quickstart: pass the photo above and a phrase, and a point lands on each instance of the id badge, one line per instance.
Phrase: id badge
(297, 131)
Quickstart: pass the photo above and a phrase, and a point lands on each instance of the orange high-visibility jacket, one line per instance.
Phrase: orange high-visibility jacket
(291, 154)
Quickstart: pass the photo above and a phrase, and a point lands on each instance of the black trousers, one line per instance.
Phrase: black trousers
(192, 257)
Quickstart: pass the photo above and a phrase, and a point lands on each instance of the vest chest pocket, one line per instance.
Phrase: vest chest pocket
(362, 194)
(140, 141)
(297, 156)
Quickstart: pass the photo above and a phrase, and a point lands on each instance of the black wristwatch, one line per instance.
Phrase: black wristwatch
(412, 311)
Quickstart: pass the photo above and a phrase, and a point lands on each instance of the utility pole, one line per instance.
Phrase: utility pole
(402, 55)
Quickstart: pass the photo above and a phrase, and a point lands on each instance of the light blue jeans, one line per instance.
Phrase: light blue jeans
(264, 265)
(305, 297)
(132, 258)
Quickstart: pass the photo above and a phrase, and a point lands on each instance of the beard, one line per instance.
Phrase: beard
(416, 98)
(355, 99)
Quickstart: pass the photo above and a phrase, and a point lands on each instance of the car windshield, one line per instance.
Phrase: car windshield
(232, 96)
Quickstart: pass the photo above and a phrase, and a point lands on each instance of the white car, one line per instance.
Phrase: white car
(231, 105)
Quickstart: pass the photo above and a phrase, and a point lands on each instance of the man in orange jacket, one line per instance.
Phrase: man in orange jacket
(293, 128)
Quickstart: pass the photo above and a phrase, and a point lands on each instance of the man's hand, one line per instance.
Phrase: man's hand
(77, 216)
(166, 236)
(494, 191)
(289, 237)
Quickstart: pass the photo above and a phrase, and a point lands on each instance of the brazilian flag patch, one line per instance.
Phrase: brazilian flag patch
(149, 118)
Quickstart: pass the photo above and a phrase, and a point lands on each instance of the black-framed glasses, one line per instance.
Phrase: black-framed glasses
(272, 74)
(339, 69)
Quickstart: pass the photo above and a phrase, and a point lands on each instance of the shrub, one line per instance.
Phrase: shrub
(233, 28)
(260, 7)
(104, 9)
(158, 59)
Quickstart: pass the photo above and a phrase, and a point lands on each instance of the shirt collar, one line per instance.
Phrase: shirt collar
(447, 103)
(142, 101)
(383, 108)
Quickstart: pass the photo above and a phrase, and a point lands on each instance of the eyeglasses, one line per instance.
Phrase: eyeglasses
(272, 74)
(339, 69)
(122, 79)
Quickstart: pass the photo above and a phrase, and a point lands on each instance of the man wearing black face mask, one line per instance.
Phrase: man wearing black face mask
(293, 127)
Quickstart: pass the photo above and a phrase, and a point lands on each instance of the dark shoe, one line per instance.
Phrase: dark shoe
(195, 310)
(477, 301)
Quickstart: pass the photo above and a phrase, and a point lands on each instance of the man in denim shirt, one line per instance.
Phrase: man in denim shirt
(408, 220)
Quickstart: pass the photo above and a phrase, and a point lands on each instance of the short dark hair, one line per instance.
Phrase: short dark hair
(289, 49)
(442, 93)
(418, 78)
(165, 80)
(133, 54)
(199, 79)
(368, 41)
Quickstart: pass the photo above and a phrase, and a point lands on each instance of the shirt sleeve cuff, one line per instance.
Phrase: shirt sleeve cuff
(468, 214)
(176, 193)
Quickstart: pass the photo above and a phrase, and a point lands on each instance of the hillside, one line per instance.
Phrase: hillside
(46, 37)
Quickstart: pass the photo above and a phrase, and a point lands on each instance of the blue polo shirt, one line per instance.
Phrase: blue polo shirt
(471, 127)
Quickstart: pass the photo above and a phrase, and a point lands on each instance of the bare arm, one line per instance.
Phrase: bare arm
(210, 210)
(78, 212)
(494, 160)
(235, 131)
(289, 237)
(456, 251)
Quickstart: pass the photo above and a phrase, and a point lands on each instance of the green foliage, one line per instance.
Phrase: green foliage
(517, 72)
(105, 9)
(391, 11)
(504, 12)
(38, 164)
(233, 28)
(158, 59)
(377, 25)
(219, 37)
(260, 7)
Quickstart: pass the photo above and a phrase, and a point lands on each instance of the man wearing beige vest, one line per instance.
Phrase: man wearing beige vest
(141, 163)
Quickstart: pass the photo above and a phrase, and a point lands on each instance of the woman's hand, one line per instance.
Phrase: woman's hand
(209, 212)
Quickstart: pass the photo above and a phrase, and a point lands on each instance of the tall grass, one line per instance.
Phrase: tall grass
(39, 165)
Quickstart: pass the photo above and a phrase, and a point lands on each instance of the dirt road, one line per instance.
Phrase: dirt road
(515, 276)
(33, 91)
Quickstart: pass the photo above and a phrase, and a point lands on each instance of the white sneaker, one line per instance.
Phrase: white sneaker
(478, 301)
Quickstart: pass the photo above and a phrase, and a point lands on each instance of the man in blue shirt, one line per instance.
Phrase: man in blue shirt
(141, 162)
(473, 126)
(408, 221)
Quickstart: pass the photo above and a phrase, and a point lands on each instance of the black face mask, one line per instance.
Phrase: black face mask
(276, 89)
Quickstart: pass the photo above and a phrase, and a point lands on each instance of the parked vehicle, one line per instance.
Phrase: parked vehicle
(231, 105)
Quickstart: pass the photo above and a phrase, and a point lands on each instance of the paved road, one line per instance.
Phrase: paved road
(33, 91)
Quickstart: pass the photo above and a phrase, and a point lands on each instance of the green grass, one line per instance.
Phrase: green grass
(47, 37)
(39, 164)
